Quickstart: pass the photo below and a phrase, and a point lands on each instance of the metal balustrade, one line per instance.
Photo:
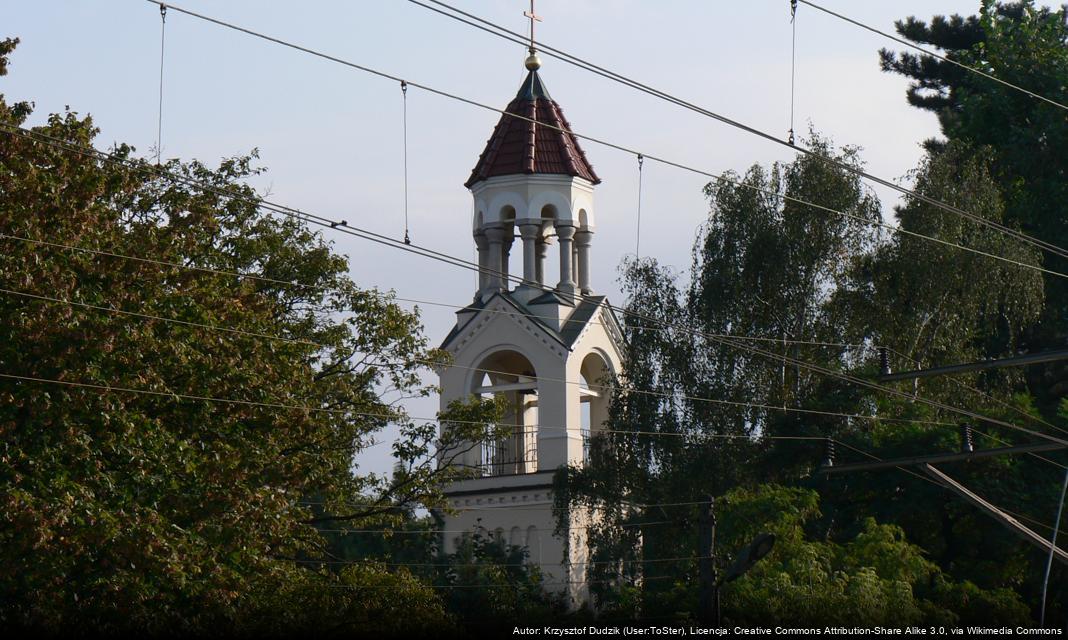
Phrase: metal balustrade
(514, 454)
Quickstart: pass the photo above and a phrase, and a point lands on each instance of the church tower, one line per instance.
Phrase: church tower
(543, 340)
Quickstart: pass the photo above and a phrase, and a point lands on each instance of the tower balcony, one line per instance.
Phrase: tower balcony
(513, 455)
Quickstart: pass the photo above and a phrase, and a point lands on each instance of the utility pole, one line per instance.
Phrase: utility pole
(707, 594)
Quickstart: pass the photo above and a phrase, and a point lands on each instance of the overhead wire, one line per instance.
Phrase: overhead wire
(163, 8)
(438, 363)
(711, 114)
(503, 112)
(1001, 403)
(585, 563)
(404, 99)
(935, 483)
(343, 227)
(934, 54)
(793, 64)
(462, 531)
(162, 48)
(390, 297)
(504, 33)
(555, 583)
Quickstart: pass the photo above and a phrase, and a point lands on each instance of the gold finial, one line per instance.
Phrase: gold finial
(532, 62)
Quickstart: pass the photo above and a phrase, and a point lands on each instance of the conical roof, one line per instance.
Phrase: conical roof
(539, 141)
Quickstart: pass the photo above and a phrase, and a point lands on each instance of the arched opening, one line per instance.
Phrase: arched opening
(514, 449)
(596, 381)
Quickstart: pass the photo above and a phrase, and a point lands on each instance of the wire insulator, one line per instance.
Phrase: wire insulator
(966, 443)
(884, 361)
(828, 452)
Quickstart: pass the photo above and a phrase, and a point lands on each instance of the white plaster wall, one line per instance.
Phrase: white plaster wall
(528, 194)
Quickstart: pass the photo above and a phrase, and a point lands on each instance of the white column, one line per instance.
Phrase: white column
(567, 281)
(508, 237)
(530, 233)
(539, 265)
(483, 250)
(583, 240)
(495, 235)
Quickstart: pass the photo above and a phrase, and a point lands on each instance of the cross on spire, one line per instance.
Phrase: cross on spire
(533, 17)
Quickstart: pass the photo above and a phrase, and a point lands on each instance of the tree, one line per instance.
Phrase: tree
(725, 410)
(876, 578)
(764, 267)
(491, 584)
(175, 431)
(1027, 138)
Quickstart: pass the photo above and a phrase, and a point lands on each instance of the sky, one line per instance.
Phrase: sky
(330, 136)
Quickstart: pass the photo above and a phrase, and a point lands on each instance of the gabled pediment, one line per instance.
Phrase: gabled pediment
(592, 312)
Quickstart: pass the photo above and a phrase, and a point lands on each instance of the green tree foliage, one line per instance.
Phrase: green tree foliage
(1028, 46)
(491, 584)
(158, 511)
(768, 268)
(876, 578)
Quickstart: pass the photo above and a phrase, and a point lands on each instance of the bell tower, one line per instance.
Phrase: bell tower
(542, 340)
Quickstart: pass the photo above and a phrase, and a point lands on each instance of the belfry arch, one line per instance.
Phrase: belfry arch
(508, 374)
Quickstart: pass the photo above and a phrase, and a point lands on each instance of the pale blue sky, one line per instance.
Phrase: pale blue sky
(331, 136)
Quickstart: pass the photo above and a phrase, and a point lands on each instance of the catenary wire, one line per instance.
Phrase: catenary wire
(511, 36)
(843, 165)
(386, 416)
(937, 484)
(438, 363)
(933, 54)
(586, 563)
(633, 525)
(162, 43)
(389, 297)
(448, 259)
(1001, 403)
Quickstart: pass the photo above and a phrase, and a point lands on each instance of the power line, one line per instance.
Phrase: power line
(390, 297)
(394, 418)
(711, 114)
(576, 61)
(462, 531)
(842, 165)
(932, 482)
(437, 363)
(1001, 403)
(112, 388)
(557, 583)
(448, 259)
(146, 316)
(172, 395)
(162, 43)
(933, 54)
(495, 564)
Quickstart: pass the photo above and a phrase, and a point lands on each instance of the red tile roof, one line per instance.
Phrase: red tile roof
(519, 146)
